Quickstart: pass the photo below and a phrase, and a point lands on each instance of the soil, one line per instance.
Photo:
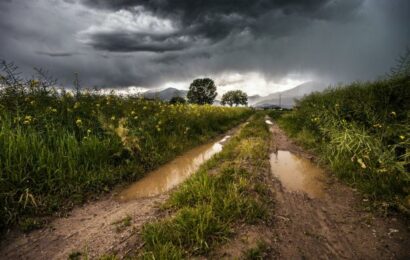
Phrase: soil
(89, 229)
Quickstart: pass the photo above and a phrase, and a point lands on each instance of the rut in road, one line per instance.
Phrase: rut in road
(92, 229)
(334, 225)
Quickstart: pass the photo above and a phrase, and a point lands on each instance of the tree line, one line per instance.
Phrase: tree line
(203, 91)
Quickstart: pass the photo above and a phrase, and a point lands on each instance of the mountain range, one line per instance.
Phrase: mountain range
(284, 98)
(287, 98)
(165, 94)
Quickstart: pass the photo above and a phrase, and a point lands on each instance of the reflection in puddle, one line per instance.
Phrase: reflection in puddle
(297, 174)
(173, 173)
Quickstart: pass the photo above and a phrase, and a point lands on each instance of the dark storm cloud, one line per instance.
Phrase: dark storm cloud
(131, 42)
(211, 20)
(151, 42)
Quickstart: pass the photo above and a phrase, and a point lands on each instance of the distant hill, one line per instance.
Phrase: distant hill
(286, 98)
(165, 94)
(252, 99)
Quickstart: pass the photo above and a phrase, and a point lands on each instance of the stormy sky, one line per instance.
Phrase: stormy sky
(260, 46)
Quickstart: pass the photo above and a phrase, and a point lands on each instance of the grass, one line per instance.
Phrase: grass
(122, 224)
(262, 250)
(58, 149)
(226, 191)
(362, 132)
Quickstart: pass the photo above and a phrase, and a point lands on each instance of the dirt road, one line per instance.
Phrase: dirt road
(332, 226)
(110, 225)
(89, 229)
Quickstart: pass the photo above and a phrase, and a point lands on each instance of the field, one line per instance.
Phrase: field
(63, 148)
(58, 149)
(362, 133)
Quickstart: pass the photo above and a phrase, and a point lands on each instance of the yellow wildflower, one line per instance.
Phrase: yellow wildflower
(362, 164)
(79, 122)
(27, 120)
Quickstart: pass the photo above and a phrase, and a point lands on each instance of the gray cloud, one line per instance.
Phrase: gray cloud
(212, 20)
(132, 42)
(57, 54)
(151, 42)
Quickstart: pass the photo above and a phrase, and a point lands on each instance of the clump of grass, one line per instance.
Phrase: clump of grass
(122, 224)
(260, 251)
(29, 224)
(58, 149)
(77, 255)
(208, 206)
(362, 132)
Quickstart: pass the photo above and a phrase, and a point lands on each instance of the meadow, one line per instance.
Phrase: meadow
(362, 133)
(61, 148)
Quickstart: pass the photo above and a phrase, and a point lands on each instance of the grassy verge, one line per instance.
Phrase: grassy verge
(225, 192)
(362, 132)
(58, 149)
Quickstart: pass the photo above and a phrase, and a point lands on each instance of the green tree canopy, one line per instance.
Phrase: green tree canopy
(236, 97)
(202, 91)
(177, 99)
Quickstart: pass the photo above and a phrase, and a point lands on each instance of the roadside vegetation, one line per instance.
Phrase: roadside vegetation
(58, 148)
(227, 192)
(362, 131)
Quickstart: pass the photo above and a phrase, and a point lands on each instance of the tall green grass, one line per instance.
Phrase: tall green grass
(362, 131)
(227, 191)
(57, 149)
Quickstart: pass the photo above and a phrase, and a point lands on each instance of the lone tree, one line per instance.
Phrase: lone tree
(202, 91)
(177, 100)
(236, 97)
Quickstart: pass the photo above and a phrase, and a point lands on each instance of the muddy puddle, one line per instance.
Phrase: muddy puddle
(297, 173)
(173, 173)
